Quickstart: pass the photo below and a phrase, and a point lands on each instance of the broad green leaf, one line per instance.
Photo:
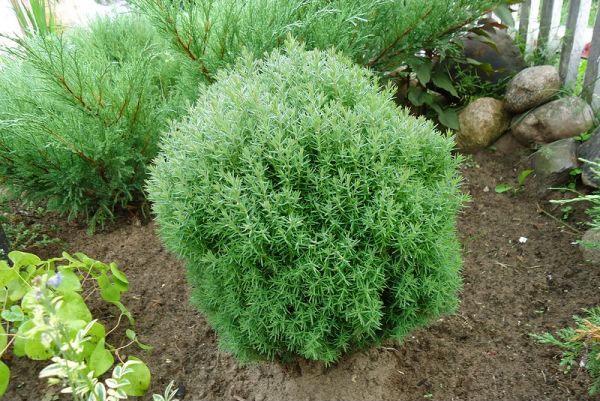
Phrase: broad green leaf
(504, 12)
(132, 335)
(108, 291)
(481, 32)
(488, 41)
(91, 263)
(70, 281)
(74, 326)
(119, 275)
(501, 188)
(415, 96)
(16, 289)
(125, 312)
(4, 378)
(575, 172)
(139, 379)
(423, 69)
(73, 262)
(99, 392)
(523, 176)
(3, 338)
(449, 118)
(7, 274)
(28, 302)
(441, 79)
(21, 338)
(101, 359)
(23, 259)
(14, 314)
(97, 332)
(35, 350)
(73, 308)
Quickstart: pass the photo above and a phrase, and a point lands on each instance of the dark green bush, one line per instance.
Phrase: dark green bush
(81, 114)
(314, 215)
(396, 38)
(382, 34)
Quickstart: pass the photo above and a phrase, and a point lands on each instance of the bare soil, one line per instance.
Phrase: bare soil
(484, 352)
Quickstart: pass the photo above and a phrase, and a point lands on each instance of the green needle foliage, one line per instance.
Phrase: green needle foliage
(382, 34)
(580, 346)
(314, 215)
(81, 113)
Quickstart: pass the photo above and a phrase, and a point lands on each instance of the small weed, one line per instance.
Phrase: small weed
(521, 179)
(20, 225)
(567, 211)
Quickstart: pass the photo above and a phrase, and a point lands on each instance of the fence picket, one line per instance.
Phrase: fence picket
(579, 11)
(533, 26)
(591, 82)
(549, 26)
(524, 12)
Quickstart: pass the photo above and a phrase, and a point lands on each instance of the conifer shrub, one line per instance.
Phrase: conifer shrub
(383, 34)
(314, 215)
(81, 114)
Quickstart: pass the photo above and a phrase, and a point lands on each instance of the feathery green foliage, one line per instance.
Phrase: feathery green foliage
(314, 215)
(81, 113)
(381, 34)
(580, 346)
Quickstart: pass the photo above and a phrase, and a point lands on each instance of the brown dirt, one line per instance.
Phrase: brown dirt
(483, 352)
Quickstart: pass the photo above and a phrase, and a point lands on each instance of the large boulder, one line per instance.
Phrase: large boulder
(532, 87)
(590, 246)
(497, 50)
(482, 122)
(560, 119)
(590, 150)
(552, 164)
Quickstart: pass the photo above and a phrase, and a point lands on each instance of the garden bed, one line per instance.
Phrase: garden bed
(484, 352)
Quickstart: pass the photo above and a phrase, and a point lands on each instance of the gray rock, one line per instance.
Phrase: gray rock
(507, 145)
(482, 122)
(559, 119)
(590, 246)
(553, 163)
(532, 87)
(504, 56)
(590, 150)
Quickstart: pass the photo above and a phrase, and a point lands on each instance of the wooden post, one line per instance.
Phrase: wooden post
(591, 82)
(528, 23)
(549, 26)
(579, 12)
(524, 19)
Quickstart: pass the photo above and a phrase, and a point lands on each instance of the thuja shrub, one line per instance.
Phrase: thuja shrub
(81, 113)
(314, 215)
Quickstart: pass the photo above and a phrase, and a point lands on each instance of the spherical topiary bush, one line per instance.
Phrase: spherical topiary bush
(314, 215)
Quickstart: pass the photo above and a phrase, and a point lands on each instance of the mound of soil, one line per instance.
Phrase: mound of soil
(484, 352)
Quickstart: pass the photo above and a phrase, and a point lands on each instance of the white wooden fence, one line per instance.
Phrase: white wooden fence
(538, 23)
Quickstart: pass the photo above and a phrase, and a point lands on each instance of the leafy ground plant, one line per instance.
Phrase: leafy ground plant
(45, 317)
(521, 180)
(22, 226)
(315, 216)
(580, 346)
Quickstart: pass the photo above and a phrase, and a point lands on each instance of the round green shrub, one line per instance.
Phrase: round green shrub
(314, 215)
